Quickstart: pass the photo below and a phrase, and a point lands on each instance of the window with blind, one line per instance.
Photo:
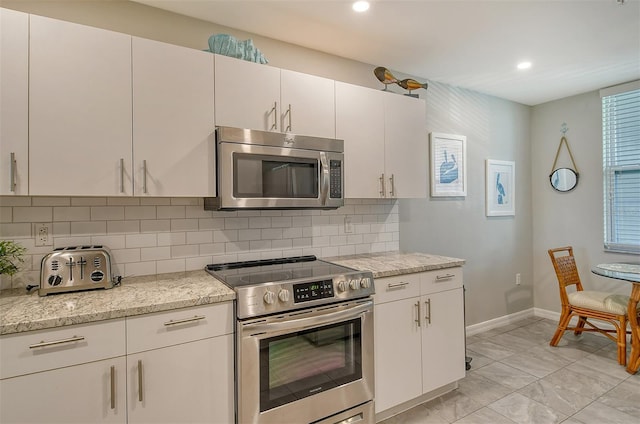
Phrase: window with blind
(621, 166)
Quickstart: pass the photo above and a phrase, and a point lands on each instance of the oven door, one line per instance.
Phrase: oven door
(253, 176)
(305, 365)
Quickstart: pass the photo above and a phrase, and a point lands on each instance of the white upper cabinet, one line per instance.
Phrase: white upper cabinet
(173, 120)
(406, 152)
(247, 94)
(385, 143)
(308, 104)
(260, 97)
(14, 102)
(360, 123)
(79, 110)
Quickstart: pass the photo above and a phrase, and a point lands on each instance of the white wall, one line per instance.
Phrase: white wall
(574, 218)
(495, 248)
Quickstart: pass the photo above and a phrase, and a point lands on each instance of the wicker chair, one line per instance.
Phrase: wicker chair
(584, 304)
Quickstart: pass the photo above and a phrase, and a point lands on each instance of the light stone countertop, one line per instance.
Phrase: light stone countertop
(142, 295)
(135, 296)
(388, 264)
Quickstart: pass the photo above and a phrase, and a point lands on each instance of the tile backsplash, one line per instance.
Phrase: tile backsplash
(159, 235)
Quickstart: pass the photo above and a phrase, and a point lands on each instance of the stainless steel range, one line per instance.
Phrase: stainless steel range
(304, 341)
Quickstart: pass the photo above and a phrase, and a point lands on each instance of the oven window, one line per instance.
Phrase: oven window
(301, 364)
(274, 176)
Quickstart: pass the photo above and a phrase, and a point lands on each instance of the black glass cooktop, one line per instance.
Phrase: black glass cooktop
(236, 274)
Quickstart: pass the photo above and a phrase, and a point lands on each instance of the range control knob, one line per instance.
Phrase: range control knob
(269, 297)
(354, 284)
(342, 286)
(284, 295)
(365, 283)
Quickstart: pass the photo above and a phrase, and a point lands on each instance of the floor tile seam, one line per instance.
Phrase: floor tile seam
(598, 400)
(560, 414)
(518, 369)
(549, 406)
(578, 370)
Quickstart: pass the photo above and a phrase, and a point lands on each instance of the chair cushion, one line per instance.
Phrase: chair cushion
(600, 301)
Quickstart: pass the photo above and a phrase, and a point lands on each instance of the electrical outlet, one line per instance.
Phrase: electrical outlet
(43, 235)
(518, 281)
(348, 225)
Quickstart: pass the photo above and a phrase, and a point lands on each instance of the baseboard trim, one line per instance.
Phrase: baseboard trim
(500, 321)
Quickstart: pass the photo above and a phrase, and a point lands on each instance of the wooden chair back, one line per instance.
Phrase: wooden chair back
(564, 264)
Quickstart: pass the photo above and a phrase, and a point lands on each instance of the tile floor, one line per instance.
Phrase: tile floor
(516, 377)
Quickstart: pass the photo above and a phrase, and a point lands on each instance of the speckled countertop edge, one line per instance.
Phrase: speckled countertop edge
(388, 264)
(21, 312)
(136, 296)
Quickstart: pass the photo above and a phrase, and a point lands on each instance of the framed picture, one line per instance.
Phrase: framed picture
(501, 188)
(448, 165)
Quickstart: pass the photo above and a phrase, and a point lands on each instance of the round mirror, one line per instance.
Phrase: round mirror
(564, 179)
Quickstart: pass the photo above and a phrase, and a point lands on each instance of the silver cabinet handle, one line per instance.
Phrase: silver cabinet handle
(144, 176)
(184, 321)
(289, 114)
(14, 168)
(113, 387)
(121, 175)
(140, 397)
(397, 285)
(383, 190)
(444, 277)
(418, 319)
(392, 192)
(427, 306)
(57, 342)
(274, 111)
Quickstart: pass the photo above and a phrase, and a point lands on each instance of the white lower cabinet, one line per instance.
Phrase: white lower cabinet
(167, 367)
(419, 335)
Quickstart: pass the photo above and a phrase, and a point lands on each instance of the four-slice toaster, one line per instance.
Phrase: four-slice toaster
(76, 268)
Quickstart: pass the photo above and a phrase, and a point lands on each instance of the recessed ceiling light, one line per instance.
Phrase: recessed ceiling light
(361, 6)
(524, 65)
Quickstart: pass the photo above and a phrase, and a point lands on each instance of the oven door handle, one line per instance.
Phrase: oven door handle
(313, 321)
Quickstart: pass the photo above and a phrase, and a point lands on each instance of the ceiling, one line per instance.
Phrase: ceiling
(575, 46)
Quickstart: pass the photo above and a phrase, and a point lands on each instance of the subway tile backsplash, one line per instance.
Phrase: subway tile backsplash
(159, 235)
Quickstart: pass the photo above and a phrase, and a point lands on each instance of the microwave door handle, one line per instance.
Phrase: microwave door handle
(324, 178)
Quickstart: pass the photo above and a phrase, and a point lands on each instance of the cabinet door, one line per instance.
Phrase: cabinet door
(173, 120)
(406, 153)
(397, 353)
(79, 110)
(442, 339)
(77, 394)
(14, 102)
(190, 382)
(308, 104)
(247, 94)
(360, 123)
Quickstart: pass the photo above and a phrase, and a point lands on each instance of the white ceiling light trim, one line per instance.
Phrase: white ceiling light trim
(361, 6)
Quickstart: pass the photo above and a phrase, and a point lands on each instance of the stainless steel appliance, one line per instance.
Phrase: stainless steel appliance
(304, 341)
(76, 268)
(261, 169)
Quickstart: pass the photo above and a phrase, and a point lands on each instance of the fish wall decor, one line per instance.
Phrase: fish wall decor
(386, 77)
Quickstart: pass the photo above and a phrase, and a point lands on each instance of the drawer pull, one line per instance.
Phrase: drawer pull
(57, 342)
(140, 397)
(184, 321)
(397, 285)
(113, 387)
(444, 277)
(427, 306)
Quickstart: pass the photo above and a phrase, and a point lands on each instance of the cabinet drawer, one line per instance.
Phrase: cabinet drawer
(440, 280)
(34, 351)
(395, 288)
(162, 329)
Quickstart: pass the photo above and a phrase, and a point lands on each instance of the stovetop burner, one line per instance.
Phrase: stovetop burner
(237, 274)
(274, 285)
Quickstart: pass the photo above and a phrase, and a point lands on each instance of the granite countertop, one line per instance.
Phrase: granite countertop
(142, 295)
(388, 264)
(136, 296)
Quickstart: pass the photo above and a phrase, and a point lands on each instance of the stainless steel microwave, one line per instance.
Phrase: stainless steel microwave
(269, 170)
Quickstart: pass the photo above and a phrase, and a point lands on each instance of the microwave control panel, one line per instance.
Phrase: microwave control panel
(335, 179)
